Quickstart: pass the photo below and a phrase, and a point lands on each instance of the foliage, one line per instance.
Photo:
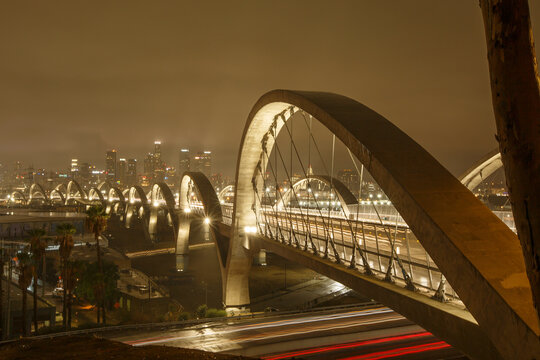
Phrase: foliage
(65, 238)
(25, 266)
(213, 313)
(204, 312)
(176, 313)
(90, 279)
(96, 219)
(200, 313)
(37, 243)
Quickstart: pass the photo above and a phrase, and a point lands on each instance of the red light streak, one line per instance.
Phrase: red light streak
(345, 346)
(400, 352)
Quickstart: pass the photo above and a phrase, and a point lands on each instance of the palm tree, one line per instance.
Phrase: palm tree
(25, 265)
(37, 249)
(65, 237)
(70, 281)
(96, 222)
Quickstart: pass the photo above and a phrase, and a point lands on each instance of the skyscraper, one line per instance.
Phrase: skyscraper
(184, 163)
(149, 166)
(74, 168)
(159, 165)
(203, 162)
(110, 165)
(131, 174)
(122, 168)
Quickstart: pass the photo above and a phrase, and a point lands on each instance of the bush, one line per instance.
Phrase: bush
(213, 313)
(200, 313)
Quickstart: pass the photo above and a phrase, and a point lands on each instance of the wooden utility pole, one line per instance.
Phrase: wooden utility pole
(516, 103)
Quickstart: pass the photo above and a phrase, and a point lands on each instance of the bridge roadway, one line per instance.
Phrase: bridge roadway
(360, 333)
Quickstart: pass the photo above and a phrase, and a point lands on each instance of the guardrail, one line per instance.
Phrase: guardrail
(185, 323)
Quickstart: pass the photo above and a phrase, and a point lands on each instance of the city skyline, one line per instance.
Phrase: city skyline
(193, 87)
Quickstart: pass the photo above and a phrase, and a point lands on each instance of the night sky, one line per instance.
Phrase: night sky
(80, 77)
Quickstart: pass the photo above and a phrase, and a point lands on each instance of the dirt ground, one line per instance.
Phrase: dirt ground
(89, 348)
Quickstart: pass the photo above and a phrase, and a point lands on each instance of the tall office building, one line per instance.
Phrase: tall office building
(184, 163)
(203, 162)
(122, 168)
(74, 168)
(131, 173)
(149, 166)
(110, 165)
(159, 165)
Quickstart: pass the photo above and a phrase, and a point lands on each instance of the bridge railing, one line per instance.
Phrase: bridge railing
(381, 245)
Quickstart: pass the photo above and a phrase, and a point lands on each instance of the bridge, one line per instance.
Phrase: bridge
(424, 246)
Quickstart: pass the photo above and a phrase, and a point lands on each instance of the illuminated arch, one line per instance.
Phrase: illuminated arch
(61, 188)
(345, 196)
(115, 201)
(59, 193)
(211, 211)
(227, 189)
(141, 207)
(161, 192)
(19, 194)
(37, 188)
(482, 169)
(461, 235)
(95, 194)
(79, 191)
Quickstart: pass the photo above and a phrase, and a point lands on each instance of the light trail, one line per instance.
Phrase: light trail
(345, 346)
(400, 352)
(273, 324)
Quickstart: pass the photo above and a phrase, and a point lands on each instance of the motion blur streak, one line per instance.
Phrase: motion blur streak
(345, 346)
(311, 319)
(400, 352)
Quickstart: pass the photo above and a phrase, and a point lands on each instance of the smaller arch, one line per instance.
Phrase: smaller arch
(482, 169)
(104, 186)
(227, 189)
(114, 191)
(61, 188)
(211, 210)
(95, 194)
(160, 191)
(345, 196)
(19, 194)
(37, 188)
(59, 193)
(80, 191)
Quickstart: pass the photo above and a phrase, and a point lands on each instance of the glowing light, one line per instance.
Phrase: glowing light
(250, 229)
(156, 203)
(187, 210)
(207, 221)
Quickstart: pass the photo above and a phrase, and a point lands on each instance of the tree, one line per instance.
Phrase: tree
(97, 287)
(515, 95)
(70, 281)
(96, 222)
(37, 249)
(65, 238)
(25, 265)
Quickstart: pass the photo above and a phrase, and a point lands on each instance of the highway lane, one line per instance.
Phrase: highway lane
(276, 335)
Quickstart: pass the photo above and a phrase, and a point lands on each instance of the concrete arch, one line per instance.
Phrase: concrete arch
(116, 201)
(227, 189)
(211, 211)
(95, 194)
(482, 169)
(160, 191)
(140, 207)
(37, 188)
(104, 186)
(125, 192)
(80, 191)
(462, 236)
(59, 193)
(19, 194)
(345, 196)
(61, 188)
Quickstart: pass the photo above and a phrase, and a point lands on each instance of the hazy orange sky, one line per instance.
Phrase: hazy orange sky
(80, 77)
